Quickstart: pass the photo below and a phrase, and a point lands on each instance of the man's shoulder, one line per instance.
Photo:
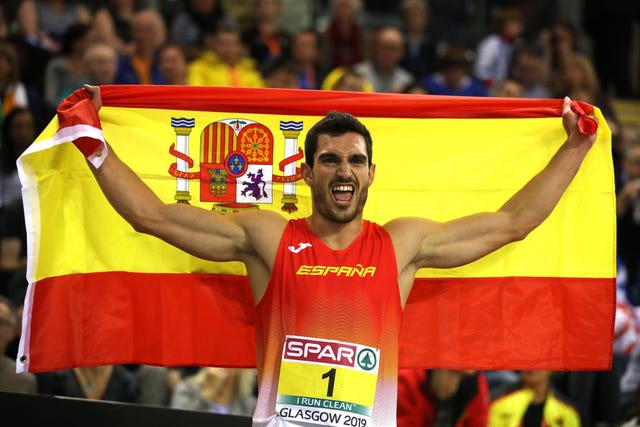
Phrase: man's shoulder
(263, 224)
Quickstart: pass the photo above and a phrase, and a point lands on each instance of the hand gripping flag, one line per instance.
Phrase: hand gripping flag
(100, 293)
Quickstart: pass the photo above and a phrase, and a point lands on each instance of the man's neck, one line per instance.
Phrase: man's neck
(335, 235)
(540, 392)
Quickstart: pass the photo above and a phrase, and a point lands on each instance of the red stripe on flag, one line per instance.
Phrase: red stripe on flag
(510, 323)
(160, 319)
(320, 102)
(198, 319)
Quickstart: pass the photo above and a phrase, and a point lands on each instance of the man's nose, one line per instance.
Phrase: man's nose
(344, 169)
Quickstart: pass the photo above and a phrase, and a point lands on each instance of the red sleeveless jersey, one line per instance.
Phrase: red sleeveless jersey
(327, 332)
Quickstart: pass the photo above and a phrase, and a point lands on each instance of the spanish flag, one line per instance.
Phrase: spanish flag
(101, 293)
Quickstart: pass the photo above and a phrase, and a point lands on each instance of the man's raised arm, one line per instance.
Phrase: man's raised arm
(432, 244)
(198, 231)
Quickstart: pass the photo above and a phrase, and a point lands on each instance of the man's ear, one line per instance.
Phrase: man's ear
(372, 173)
(307, 173)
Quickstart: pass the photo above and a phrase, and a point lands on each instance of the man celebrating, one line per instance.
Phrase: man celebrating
(310, 321)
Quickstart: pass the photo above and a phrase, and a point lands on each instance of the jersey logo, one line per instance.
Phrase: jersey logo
(301, 246)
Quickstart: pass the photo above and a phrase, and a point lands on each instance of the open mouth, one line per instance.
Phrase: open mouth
(342, 193)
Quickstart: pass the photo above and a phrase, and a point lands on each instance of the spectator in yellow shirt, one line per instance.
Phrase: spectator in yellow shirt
(224, 62)
(532, 403)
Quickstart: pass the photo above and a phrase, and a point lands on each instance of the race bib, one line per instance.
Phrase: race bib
(327, 382)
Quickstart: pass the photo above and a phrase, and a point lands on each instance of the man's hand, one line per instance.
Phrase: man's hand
(79, 122)
(571, 115)
(96, 98)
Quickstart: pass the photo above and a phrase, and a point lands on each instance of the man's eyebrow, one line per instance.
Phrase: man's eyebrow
(327, 155)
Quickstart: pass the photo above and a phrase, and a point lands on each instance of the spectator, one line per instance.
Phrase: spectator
(528, 69)
(630, 385)
(577, 79)
(596, 394)
(18, 132)
(265, 38)
(282, 74)
(509, 89)
(454, 75)
(189, 26)
(383, 70)
(415, 88)
(155, 383)
(113, 24)
(4, 23)
(442, 398)
(305, 54)
(493, 55)
(172, 60)
(627, 136)
(33, 46)
(628, 224)
(9, 379)
(109, 382)
(344, 39)
(220, 390)
(533, 403)
(13, 91)
(450, 20)
(223, 62)
(100, 63)
(56, 16)
(346, 80)
(559, 43)
(612, 52)
(66, 72)
(13, 254)
(148, 33)
(420, 44)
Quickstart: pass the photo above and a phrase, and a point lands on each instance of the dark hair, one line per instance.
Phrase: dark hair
(8, 52)
(280, 63)
(8, 151)
(454, 56)
(72, 35)
(173, 45)
(335, 123)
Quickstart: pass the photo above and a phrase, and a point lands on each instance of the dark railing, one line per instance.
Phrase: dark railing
(39, 410)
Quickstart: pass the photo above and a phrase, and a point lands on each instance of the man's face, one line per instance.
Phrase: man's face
(340, 177)
(305, 48)
(173, 65)
(535, 378)
(102, 65)
(228, 46)
(388, 49)
(22, 131)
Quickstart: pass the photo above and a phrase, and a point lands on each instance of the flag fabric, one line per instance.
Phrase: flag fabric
(101, 293)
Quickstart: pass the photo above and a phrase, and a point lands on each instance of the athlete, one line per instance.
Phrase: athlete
(310, 324)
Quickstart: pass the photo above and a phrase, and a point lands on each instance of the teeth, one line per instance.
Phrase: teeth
(343, 187)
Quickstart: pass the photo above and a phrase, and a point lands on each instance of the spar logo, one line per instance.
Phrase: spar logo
(236, 163)
(367, 359)
(330, 352)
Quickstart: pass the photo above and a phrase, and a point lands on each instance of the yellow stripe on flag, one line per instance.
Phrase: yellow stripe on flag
(433, 168)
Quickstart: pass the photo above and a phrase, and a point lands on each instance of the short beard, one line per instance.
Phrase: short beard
(341, 219)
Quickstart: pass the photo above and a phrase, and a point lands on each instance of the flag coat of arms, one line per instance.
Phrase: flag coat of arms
(101, 293)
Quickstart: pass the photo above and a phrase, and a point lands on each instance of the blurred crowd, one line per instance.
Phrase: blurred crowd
(506, 48)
